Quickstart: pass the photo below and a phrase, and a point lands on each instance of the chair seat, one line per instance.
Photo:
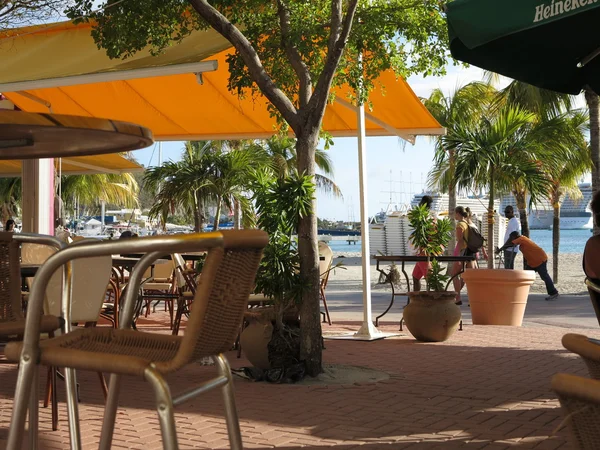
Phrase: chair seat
(17, 327)
(127, 352)
(157, 286)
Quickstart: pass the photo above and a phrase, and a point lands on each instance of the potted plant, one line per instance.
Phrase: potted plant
(272, 337)
(431, 315)
(495, 153)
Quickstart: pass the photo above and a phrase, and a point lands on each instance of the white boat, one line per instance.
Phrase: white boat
(574, 214)
(478, 206)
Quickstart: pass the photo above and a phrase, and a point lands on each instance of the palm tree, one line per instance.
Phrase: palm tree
(548, 106)
(465, 103)
(593, 103)
(283, 159)
(10, 198)
(575, 162)
(230, 178)
(90, 190)
(184, 185)
(494, 153)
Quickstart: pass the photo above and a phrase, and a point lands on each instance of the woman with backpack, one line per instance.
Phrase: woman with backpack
(463, 228)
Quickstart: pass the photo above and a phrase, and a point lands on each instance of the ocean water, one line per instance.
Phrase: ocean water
(571, 241)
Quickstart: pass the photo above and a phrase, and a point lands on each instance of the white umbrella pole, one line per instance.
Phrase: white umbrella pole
(367, 330)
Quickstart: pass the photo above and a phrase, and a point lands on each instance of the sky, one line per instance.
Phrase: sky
(392, 165)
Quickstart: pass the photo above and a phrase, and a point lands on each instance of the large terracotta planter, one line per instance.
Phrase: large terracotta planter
(255, 342)
(432, 316)
(498, 296)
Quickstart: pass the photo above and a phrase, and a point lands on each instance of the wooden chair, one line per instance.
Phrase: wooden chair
(186, 289)
(158, 286)
(588, 349)
(580, 401)
(324, 269)
(594, 291)
(220, 302)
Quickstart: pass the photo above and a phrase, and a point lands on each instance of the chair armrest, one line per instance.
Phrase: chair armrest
(591, 285)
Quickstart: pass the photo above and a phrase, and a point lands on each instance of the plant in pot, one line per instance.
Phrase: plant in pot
(431, 315)
(507, 147)
(271, 341)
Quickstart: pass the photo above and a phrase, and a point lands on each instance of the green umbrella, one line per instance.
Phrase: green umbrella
(552, 44)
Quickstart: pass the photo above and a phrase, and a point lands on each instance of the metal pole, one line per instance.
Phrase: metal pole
(367, 330)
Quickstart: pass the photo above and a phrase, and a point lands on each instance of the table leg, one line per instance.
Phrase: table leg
(388, 278)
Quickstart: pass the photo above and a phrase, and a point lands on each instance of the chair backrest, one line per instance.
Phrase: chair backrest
(10, 279)
(163, 271)
(594, 291)
(325, 263)
(178, 267)
(587, 349)
(90, 280)
(221, 296)
(35, 254)
(580, 400)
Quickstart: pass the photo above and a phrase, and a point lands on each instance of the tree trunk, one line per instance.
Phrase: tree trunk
(217, 214)
(310, 307)
(237, 215)
(452, 199)
(593, 105)
(490, 240)
(521, 198)
(199, 217)
(555, 238)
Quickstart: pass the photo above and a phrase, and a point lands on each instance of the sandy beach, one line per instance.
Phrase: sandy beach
(349, 277)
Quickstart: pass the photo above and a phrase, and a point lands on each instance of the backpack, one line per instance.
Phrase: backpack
(474, 239)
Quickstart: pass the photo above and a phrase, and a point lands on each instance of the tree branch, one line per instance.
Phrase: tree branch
(318, 100)
(294, 56)
(267, 86)
(336, 23)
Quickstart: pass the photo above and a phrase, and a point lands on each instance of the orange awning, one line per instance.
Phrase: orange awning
(81, 165)
(176, 106)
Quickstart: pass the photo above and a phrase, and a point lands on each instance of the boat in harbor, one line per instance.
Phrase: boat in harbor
(575, 214)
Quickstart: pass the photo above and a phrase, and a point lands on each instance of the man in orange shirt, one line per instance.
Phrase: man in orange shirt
(535, 259)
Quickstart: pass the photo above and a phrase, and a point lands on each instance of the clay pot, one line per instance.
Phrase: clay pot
(432, 316)
(498, 296)
(255, 341)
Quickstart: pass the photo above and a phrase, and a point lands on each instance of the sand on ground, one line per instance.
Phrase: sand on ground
(348, 277)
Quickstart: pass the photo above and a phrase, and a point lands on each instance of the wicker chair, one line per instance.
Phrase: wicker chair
(587, 348)
(594, 291)
(36, 249)
(580, 400)
(221, 298)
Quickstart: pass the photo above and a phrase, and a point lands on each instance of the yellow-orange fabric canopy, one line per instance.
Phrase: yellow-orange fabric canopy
(57, 67)
(81, 165)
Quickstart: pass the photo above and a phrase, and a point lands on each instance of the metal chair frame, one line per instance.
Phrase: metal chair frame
(30, 350)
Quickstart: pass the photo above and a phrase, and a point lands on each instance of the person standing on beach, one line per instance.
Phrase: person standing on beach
(535, 259)
(513, 225)
(591, 254)
(421, 268)
(461, 215)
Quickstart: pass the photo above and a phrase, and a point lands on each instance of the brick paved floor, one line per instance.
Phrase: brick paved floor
(488, 387)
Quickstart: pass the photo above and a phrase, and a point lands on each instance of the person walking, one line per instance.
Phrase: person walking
(461, 215)
(535, 259)
(513, 225)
